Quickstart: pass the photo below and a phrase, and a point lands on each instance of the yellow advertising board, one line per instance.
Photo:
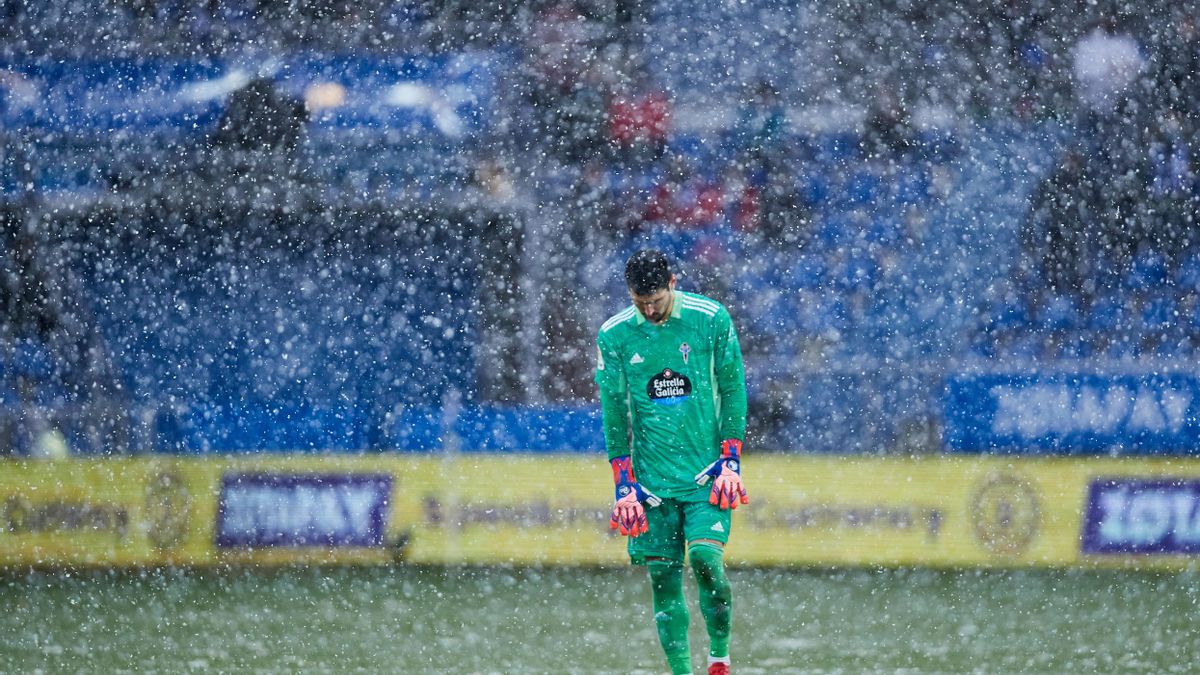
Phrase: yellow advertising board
(553, 509)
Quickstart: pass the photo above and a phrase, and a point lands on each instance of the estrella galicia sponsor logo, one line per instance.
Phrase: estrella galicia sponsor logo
(669, 387)
(1132, 515)
(273, 510)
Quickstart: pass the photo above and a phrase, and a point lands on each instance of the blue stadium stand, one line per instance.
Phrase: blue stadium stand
(493, 428)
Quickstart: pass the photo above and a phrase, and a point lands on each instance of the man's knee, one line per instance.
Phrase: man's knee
(707, 558)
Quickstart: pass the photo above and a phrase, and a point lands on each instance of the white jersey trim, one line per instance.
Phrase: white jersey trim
(617, 319)
(702, 301)
(699, 306)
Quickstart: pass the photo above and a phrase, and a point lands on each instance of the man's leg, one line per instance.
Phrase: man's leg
(716, 596)
(671, 612)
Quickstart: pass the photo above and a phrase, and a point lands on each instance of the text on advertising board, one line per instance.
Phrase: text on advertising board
(1079, 412)
(302, 510)
(1126, 515)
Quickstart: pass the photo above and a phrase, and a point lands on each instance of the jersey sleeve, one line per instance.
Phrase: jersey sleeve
(731, 378)
(614, 397)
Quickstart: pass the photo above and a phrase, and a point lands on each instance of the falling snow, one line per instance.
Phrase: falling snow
(331, 231)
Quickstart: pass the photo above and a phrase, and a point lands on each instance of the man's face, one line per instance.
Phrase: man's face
(656, 307)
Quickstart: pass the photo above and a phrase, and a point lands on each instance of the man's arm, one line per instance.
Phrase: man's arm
(726, 473)
(731, 378)
(629, 514)
(614, 399)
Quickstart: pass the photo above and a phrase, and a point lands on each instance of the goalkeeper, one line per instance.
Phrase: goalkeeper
(673, 397)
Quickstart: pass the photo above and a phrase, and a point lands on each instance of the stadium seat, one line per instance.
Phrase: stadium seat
(31, 358)
(691, 145)
(1009, 314)
(416, 429)
(9, 398)
(1147, 270)
(1025, 347)
(1075, 345)
(814, 190)
(1059, 312)
(241, 426)
(983, 345)
(859, 272)
(1122, 346)
(912, 186)
(835, 231)
(1159, 312)
(837, 147)
(862, 188)
(807, 271)
(884, 229)
(824, 314)
(939, 146)
(1107, 314)
(1190, 316)
(522, 429)
(1187, 276)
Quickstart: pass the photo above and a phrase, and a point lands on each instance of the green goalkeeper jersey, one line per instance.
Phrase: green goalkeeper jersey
(670, 393)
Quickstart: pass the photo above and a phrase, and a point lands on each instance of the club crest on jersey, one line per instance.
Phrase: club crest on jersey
(669, 388)
(685, 349)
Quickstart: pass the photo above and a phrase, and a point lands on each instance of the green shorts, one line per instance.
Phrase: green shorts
(673, 524)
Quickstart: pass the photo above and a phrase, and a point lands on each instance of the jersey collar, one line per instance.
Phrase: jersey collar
(676, 308)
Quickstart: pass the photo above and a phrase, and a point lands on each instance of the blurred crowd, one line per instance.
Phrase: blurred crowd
(804, 233)
(1111, 254)
(56, 372)
(810, 226)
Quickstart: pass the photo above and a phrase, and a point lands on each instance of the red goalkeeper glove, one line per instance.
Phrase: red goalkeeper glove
(726, 477)
(628, 514)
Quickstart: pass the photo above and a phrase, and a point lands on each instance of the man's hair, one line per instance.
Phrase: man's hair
(647, 272)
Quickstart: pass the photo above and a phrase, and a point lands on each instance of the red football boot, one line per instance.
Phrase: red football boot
(718, 668)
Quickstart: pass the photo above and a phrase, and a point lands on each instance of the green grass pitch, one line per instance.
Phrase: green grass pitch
(498, 620)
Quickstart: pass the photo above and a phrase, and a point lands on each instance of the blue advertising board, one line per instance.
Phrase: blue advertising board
(1073, 413)
(298, 510)
(1142, 516)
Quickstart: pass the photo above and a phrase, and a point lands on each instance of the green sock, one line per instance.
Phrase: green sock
(716, 596)
(671, 614)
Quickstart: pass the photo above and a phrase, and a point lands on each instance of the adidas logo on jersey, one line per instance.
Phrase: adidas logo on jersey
(717, 527)
(637, 358)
